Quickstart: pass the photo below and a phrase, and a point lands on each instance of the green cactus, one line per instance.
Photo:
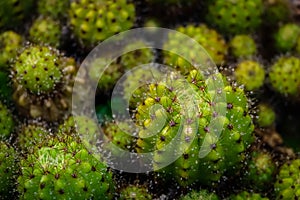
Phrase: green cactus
(97, 20)
(284, 76)
(53, 8)
(260, 172)
(6, 122)
(266, 115)
(63, 169)
(210, 39)
(162, 104)
(135, 192)
(248, 196)
(251, 74)
(276, 12)
(42, 82)
(235, 16)
(8, 171)
(31, 134)
(126, 62)
(118, 134)
(242, 46)
(286, 37)
(45, 30)
(10, 43)
(287, 181)
(37, 69)
(14, 12)
(200, 195)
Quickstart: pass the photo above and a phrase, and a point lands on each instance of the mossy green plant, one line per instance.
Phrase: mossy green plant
(248, 196)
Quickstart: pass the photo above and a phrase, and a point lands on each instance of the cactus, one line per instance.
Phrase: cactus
(260, 172)
(8, 171)
(42, 81)
(55, 9)
(45, 31)
(37, 69)
(266, 115)
(200, 195)
(31, 134)
(235, 17)
(210, 39)
(189, 168)
(63, 169)
(251, 74)
(242, 46)
(125, 63)
(286, 37)
(133, 192)
(14, 12)
(10, 43)
(287, 181)
(96, 20)
(248, 196)
(284, 76)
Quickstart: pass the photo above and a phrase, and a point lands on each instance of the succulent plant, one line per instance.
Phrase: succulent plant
(37, 69)
(63, 169)
(8, 171)
(14, 12)
(125, 63)
(248, 196)
(276, 12)
(53, 8)
(161, 113)
(10, 42)
(118, 134)
(266, 115)
(210, 39)
(260, 172)
(42, 81)
(32, 133)
(251, 74)
(96, 20)
(235, 17)
(287, 181)
(45, 31)
(200, 195)
(286, 37)
(6, 122)
(284, 76)
(242, 46)
(135, 192)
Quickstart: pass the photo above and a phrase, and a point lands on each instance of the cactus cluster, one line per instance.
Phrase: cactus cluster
(210, 113)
